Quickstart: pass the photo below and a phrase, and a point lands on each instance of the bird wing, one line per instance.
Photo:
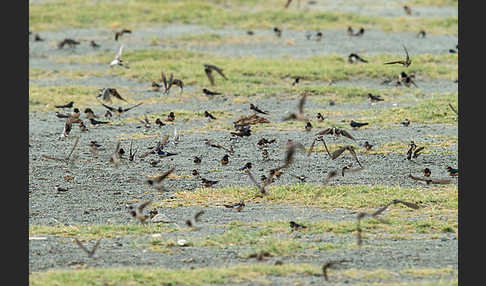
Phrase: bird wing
(325, 146)
(351, 150)
(394, 62)
(406, 52)
(92, 252)
(109, 107)
(250, 175)
(347, 134)
(198, 215)
(209, 74)
(325, 131)
(160, 178)
(142, 206)
(115, 93)
(117, 57)
(311, 147)
(127, 109)
(338, 152)
(301, 103)
(408, 204)
(72, 149)
(380, 210)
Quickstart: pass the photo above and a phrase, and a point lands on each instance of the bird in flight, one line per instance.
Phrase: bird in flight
(107, 93)
(208, 69)
(138, 212)
(405, 62)
(120, 110)
(89, 252)
(120, 33)
(118, 61)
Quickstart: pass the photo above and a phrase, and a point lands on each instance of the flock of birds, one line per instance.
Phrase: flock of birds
(242, 129)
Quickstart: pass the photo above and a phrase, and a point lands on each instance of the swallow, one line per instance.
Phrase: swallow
(296, 226)
(360, 32)
(405, 122)
(318, 138)
(60, 189)
(416, 152)
(348, 169)
(163, 154)
(421, 34)
(66, 159)
(329, 264)
(197, 160)
(265, 155)
(301, 178)
(238, 206)
(37, 38)
(407, 9)
(350, 31)
(93, 44)
(89, 252)
(300, 114)
(357, 125)
(107, 93)
(120, 33)
(431, 180)
(374, 98)
(427, 172)
(211, 93)
(349, 148)
(208, 69)
(367, 145)
(318, 36)
(353, 58)
(138, 212)
(211, 144)
(394, 202)
(308, 126)
(76, 113)
(132, 153)
(242, 131)
(117, 61)
(250, 33)
(406, 79)
(209, 115)
(70, 42)
(89, 113)
(256, 109)
(68, 125)
(336, 132)
(452, 51)
(93, 147)
(412, 147)
(120, 110)
(116, 156)
(319, 117)
(247, 166)
(208, 183)
(195, 173)
(289, 156)
(263, 142)
(453, 172)
(108, 114)
(95, 122)
(157, 181)
(197, 216)
(224, 160)
(405, 62)
(145, 121)
(177, 82)
(67, 105)
(171, 116)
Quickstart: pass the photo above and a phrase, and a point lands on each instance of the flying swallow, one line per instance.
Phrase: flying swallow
(157, 181)
(93, 44)
(353, 58)
(120, 33)
(296, 80)
(329, 264)
(296, 226)
(427, 172)
(70, 42)
(277, 32)
(68, 105)
(357, 125)
(197, 216)
(224, 160)
(453, 109)
(120, 110)
(237, 206)
(406, 79)
(374, 98)
(209, 115)
(211, 144)
(107, 93)
(138, 212)
(208, 183)
(431, 180)
(89, 252)
(117, 61)
(336, 132)
(453, 172)
(256, 109)
(405, 62)
(177, 82)
(208, 69)
(300, 114)
(66, 159)
(349, 148)
(95, 122)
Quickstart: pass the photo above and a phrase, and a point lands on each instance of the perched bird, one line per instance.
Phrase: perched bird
(263, 142)
(208, 69)
(156, 86)
(256, 109)
(413, 151)
(367, 145)
(163, 154)
(197, 160)
(208, 92)
(209, 115)
(237, 206)
(247, 166)
(195, 173)
(250, 33)
(421, 34)
(159, 122)
(353, 58)
(93, 44)
(70, 42)
(225, 160)
(296, 226)
(407, 9)
(360, 32)
(120, 33)
(107, 93)
(319, 36)
(120, 110)
(82, 127)
(208, 183)
(138, 212)
(301, 178)
(357, 125)
(453, 172)
(427, 172)
(116, 156)
(118, 61)
(374, 98)
(405, 122)
(68, 105)
(277, 32)
(319, 117)
(37, 38)
(405, 62)
(171, 116)
(89, 252)
(308, 126)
